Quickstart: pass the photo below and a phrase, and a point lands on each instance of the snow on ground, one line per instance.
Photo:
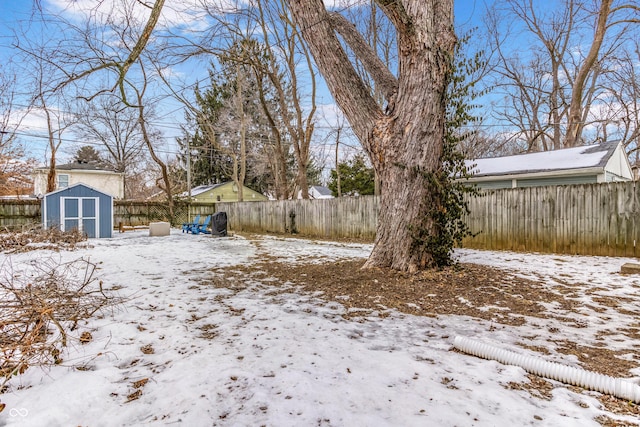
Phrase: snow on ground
(227, 357)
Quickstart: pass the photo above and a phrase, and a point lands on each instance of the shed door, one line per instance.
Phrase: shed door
(80, 213)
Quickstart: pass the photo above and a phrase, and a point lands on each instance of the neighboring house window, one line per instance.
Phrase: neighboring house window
(218, 198)
(63, 181)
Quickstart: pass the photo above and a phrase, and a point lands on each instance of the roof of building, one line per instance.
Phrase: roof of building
(583, 157)
(204, 188)
(82, 166)
(323, 191)
(207, 187)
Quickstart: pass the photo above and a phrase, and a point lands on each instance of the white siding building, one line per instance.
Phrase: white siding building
(587, 164)
(106, 181)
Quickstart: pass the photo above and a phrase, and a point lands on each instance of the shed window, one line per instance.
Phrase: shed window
(63, 181)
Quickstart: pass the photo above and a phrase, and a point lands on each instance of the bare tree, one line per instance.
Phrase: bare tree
(608, 16)
(145, 112)
(55, 127)
(108, 122)
(222, 117)
(285, 76)
(533, 94)
(41, 71)
(550, 89)
(620, 116)
(274, 102)
(8, 122)
(282, 67)
(14, 168)
(142, 181)
(56, 119)
(405, 139)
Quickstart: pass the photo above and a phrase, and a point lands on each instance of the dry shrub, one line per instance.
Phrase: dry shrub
(40, 308)
(40, 238)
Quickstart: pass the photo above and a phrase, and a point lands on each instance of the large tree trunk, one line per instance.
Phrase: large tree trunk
(405, 141)
(411, 150)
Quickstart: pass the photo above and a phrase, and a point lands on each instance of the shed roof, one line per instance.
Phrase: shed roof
(583, 157)
(78, 185)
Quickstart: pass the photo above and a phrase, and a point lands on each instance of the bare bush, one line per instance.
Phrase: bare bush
(40, 238)
(39, 309)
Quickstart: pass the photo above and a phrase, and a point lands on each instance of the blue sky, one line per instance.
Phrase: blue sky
(16, 14)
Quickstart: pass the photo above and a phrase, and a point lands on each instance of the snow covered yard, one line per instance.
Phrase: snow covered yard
(256, 351)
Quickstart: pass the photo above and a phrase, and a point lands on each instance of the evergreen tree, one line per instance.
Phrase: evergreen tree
(214, 140)
(89, 155)
(356, 178)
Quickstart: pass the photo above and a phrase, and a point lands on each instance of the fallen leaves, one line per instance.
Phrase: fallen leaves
(85, 337)
(147, 349)
(137, 385)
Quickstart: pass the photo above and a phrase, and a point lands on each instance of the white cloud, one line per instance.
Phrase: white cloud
(175, 13)
(29, 121)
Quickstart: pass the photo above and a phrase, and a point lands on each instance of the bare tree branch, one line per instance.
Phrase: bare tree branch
(385, 81)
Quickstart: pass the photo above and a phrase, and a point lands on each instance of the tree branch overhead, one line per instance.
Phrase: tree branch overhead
(346, 86)
(385, 81)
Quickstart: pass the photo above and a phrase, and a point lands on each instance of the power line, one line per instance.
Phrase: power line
(165, 126)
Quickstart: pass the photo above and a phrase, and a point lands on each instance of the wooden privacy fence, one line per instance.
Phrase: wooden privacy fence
(15, 214)
(326, 218)
(593, 219)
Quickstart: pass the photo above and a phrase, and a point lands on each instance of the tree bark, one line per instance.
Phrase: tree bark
(386, 81)
(405, 141)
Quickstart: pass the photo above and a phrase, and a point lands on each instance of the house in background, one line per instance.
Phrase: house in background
(224, 192)
(317, 192)
(67, 175)
(587, 164)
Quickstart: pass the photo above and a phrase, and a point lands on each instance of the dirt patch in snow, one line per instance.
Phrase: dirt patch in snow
(468, 289)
